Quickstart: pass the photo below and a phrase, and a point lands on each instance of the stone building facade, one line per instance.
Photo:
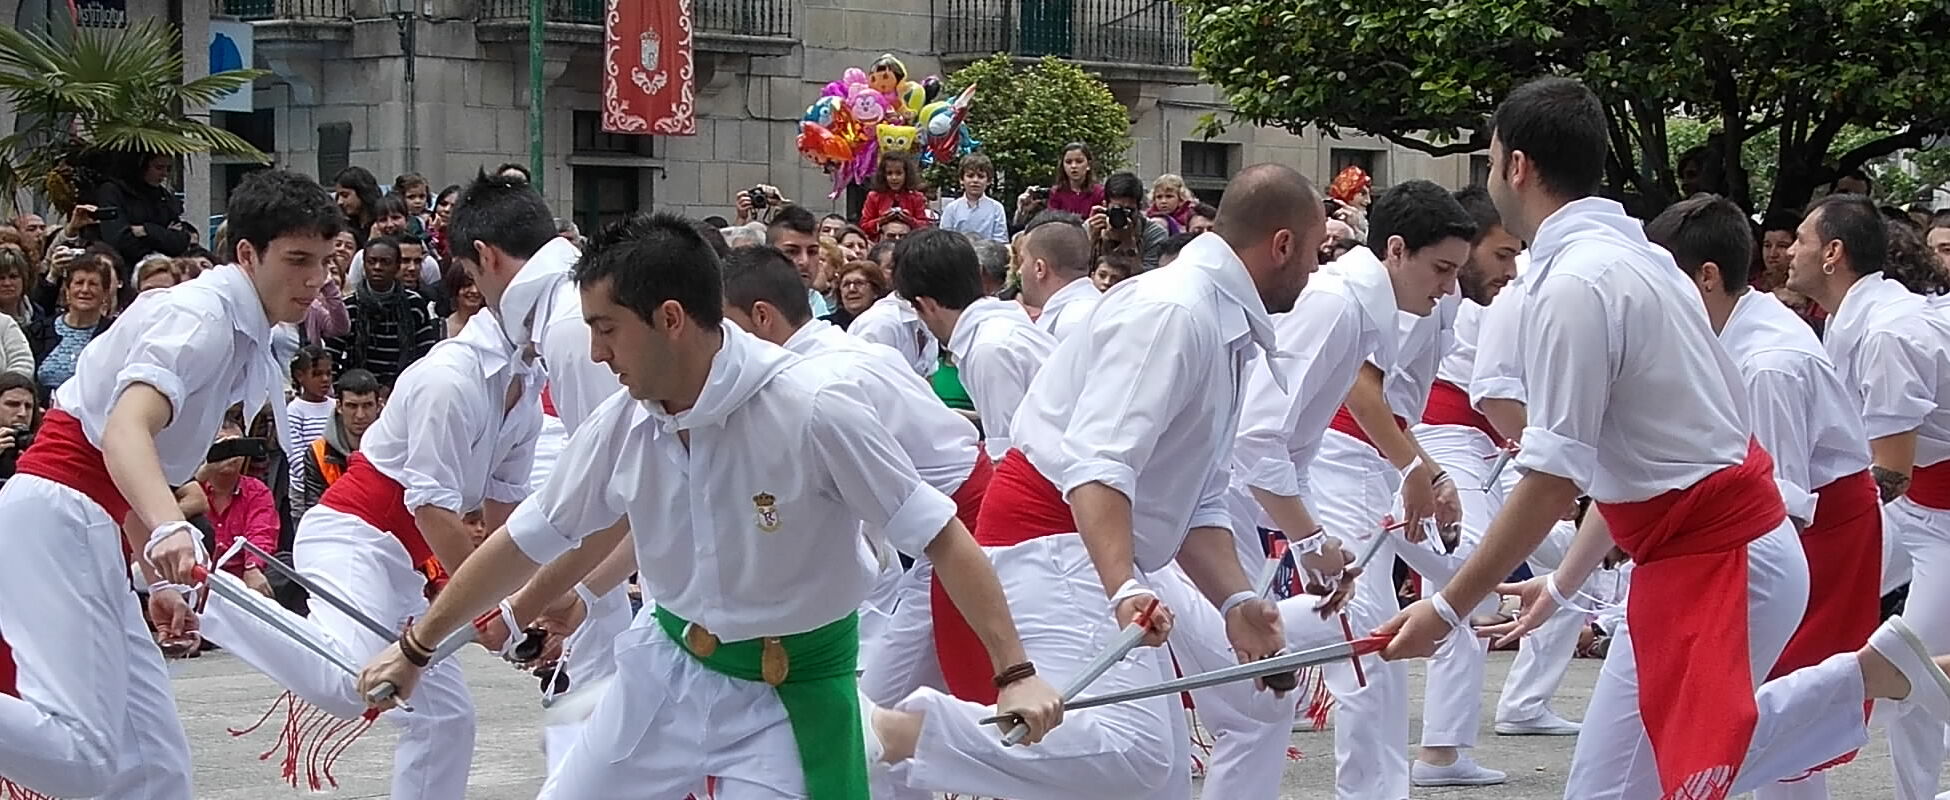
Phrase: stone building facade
(346, 91)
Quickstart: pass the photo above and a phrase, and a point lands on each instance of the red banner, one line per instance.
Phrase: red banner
(647, 70)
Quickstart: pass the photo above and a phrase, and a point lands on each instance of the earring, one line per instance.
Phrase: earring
(1828, 269)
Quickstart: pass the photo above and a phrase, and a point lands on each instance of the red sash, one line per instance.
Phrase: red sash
(1844, 547)
(1930, 486)
(1345, 423)
(1449, 405)
(61, 453)
(7, 675)
(1027, 506)
(1688, 614)
(365, 492)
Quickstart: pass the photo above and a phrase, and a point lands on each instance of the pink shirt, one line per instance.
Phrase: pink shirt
(1063, 198)
(251, 515)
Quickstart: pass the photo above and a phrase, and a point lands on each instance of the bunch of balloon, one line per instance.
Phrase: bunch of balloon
(867, 113)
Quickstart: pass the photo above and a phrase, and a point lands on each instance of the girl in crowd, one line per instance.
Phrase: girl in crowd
(413, 189)
(357, 192)
(1076, 189)
(896, 195)
(1172, 203)
(468, 300)
(443, 206)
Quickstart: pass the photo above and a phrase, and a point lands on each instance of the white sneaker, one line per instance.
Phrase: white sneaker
(1465, 772)
(1548, 724)
(1928, 686)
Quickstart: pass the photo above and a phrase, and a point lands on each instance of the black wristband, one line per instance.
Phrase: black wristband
(1014, 673)
(416, 654)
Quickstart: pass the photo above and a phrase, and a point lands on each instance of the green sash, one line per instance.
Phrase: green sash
(821, 696)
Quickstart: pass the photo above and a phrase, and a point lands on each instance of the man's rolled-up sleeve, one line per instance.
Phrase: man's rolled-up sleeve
(1566, 336)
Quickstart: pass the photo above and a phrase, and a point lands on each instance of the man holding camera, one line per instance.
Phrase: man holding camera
(758, 203)
(17, 409)
(1120, 223)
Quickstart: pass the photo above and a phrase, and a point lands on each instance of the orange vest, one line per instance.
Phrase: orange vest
(330, 470)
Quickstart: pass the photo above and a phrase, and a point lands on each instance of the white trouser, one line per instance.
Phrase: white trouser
(1352, 489)
(548, 447)
(370, 569)
(1123, 751)
(877, 610)
(588, 658)
(1452, 706)
(1545, 654)
(1916, 739)
(1251, 727)
(1807, 717)
(668, 722)
(902, 657)
(95, 717)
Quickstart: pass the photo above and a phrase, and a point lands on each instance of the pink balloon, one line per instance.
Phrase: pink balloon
(854, 76)
(834, 89)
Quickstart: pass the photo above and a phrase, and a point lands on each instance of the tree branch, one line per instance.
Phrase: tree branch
(1852, 159)
(1476, 141)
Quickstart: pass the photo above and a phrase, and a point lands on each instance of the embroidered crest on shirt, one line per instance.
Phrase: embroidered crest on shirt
(768, 511)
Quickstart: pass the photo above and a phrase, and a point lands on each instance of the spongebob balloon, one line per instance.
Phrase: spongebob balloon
(901, 139)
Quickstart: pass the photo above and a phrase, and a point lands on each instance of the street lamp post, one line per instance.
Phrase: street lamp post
(535, 34)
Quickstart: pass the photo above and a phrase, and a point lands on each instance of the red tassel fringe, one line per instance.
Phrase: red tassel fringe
(311, 732)
(13, 791)
(1320, 701)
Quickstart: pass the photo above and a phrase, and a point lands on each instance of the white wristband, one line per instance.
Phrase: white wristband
(508, 645)
(1445, 611)
(1235, 600)
(1130, 589)
(1550, 585)
(1310, 544)
(188, 592)
(1412, 465)
(588, 597)
(168, 529)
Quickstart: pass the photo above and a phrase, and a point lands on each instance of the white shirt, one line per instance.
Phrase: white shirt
(204, 345)
(1895, 353)
(543, 307)
(308, 421)
(1497, 371)
(1345, 316)
(998, 351)
(984, 219)
(758, 520)
(1459, 363)
(891, 321)
(940, 442)
(1640, 397)
(1802, 412)
(1065, 310)
(1425, 344)
(1145, 399)
(445, 437)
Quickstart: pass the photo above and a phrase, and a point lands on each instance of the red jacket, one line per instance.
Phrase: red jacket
(879, 203)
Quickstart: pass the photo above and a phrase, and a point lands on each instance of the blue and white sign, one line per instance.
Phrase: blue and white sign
(230, 48)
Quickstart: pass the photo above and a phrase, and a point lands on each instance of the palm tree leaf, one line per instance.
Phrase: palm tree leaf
(208, 89)
(27, 53)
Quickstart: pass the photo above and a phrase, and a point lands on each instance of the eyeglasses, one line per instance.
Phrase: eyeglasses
(855, 283)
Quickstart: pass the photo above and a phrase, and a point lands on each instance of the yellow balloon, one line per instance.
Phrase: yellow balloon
(898, 138)
(912, 96)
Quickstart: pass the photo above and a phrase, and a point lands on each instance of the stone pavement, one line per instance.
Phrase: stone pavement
(218, 691)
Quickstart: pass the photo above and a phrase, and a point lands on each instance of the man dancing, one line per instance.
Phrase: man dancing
(1806, 418)
(90, 713)
(1894, 353)
(754, 468)
(1720, 582)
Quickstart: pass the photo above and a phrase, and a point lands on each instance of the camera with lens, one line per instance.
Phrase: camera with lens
(1120, 217)
(23, 437)
(1040, 193)
(756, 195)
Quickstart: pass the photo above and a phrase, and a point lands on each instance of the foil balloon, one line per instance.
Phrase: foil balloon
(823, 147)
(823, 111)
(834, 89)
(897, 139)
(936, 119)
(912, 98)
(866, 105)
(854, 76)
(931, 85)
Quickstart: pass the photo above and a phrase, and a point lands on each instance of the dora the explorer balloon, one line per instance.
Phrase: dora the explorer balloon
(885, 76)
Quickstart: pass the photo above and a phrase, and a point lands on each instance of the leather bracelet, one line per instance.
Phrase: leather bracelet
(415, 653)
(1440, 476)
(1014, 673)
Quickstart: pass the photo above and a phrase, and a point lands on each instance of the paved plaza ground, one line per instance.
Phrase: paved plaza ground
(218, 691)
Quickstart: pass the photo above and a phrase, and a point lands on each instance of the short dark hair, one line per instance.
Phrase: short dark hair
(795, 218)
(713, 237)
(840, 217)
(1421, 213)
(1857, 173)
(975, 162)
(1780, 219)
(272, 203)
(1127, 263)
(651, 259)
(1126, 185)
(854, 230)
(1560, 127)
(1176, 244)
(506, 213)
(308, 356)
(356, 381)
(1702, 228)
(1854, 221)
(389, 205)
(526, 176)
(11, 380)
(939, 265)
(409, 180)
(1206, 210)
(409, 238)
(879, 249)
(753, 274)
(383, 241)
(1475, 201)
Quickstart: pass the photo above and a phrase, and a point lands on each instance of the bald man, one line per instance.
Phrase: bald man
(1120, 468)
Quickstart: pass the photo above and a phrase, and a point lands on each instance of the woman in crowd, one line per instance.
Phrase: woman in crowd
(1076, 189)
(861, 284)
(896, 196)
(855, 242)
(240, 507)
(1911, 264)
(58, 339)
(1172, 203)
(1353, 190)
(357, 192)
(156, 272)
(15, 276)
(148, 218)
(443, 206)
(468, 301)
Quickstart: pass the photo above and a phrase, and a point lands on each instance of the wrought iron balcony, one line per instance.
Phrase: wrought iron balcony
(760, 18)
(250, 10)
(1130, 33)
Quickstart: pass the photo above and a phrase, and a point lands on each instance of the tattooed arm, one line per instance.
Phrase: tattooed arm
(1893, 457)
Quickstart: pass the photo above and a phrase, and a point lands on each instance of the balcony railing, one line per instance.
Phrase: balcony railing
(769, 18)
(1134, 32)
(288, 9)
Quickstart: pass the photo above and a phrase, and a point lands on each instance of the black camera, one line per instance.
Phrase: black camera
(757, 197)
(1040, 193)
(1120, 217)
(238, 448)
(106, 213)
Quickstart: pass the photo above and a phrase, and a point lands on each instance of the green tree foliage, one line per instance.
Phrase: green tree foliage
(96, 91)
(1796, 73)
(1024, 114)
